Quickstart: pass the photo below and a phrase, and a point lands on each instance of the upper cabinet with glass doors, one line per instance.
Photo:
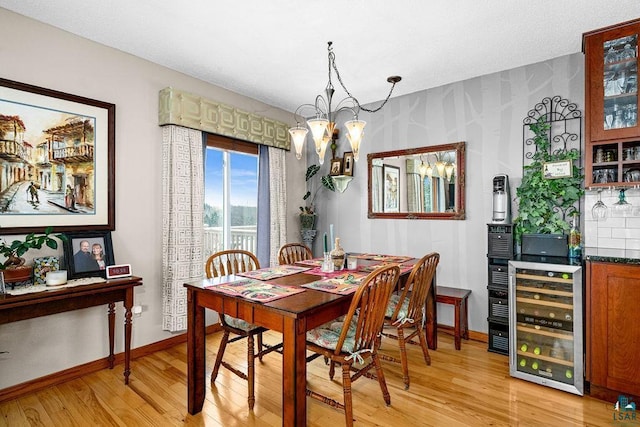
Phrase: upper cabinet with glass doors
(611, 97)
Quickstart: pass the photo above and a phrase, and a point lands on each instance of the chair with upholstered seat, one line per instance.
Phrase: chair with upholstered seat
(406, 311)
(232, 262)
(293, 252)
(359, 341)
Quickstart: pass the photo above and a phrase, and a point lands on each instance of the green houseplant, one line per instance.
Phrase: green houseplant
(544, 204)
(307, 212)
(13, 264)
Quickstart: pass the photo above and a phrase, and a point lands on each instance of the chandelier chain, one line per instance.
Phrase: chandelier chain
(332, 62)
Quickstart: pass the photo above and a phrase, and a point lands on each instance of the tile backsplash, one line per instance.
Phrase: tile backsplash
(618, 231)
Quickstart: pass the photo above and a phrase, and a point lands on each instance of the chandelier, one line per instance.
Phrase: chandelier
(444, 166)
(322, 121)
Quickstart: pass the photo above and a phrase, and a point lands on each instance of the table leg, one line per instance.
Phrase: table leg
(432, 317)
(195, 354)
(456, 328)
(112, 326)
(465, 321)
(294, 374)
(128, 304)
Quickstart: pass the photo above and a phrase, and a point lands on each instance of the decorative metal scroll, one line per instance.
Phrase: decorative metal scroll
(565, 132)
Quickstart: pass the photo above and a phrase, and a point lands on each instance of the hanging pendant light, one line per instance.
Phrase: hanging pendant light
(321, 126)
(448, 169)
(422, 169)
(298, 134)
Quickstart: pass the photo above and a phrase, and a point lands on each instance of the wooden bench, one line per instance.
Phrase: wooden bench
(458, 298)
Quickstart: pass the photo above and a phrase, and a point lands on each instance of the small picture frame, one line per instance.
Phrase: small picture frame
(347, 164)
(391, 188)
(555, 170)
(336, 167)
(88, 254)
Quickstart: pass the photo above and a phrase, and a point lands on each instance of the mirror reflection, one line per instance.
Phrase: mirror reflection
(417, 183)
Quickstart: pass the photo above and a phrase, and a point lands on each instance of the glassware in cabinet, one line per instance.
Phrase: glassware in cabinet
(613, 163)
(546, 324)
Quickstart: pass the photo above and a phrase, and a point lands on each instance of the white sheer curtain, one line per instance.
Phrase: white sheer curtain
(414, 193)
(182, 220)
(277, 194)
(376, 189)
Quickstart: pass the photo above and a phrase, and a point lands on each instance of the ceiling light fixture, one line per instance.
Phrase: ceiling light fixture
(323, 124)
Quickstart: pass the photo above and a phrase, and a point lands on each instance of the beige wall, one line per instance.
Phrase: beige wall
(44, 56)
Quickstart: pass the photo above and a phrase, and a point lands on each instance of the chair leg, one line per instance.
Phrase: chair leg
(423, 344)
(346, 388)
(223, 346)
(332, 369)
(251, 370)
(383, 383)
(403, 358)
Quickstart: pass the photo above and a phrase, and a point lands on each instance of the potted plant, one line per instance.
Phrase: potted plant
(13, 266)
(544, 204)
(308, 213)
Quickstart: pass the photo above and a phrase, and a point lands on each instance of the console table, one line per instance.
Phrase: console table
(28, 306)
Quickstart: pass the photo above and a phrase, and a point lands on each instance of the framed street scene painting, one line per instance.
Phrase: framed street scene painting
(58, 153)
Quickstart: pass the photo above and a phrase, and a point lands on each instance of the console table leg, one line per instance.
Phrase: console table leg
(128, 304)
(112, 324)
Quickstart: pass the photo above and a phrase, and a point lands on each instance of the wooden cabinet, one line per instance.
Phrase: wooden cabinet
(612, 332)
(611, 97)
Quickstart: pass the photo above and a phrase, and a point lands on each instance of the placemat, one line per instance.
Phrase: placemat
(318, 272)
(269, 273)
(404, 267)
(312, 262)
(255, 290)
(385, 258)
(344, 284)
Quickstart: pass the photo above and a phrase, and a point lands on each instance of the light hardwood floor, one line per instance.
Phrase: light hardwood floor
(468, 387)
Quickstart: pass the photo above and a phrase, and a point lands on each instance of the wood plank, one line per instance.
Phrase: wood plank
(467, 387)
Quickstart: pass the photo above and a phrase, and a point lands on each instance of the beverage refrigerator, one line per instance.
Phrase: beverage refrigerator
(546, 322)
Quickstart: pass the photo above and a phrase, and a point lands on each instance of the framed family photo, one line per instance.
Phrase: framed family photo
(347, 162)
(336, 167)
(390, 189)
(88, 254)
(61, 151)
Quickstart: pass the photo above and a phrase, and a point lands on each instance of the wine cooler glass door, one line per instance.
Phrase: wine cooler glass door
(546, 322)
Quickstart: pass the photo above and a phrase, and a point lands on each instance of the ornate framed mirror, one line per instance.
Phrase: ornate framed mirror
(418, 183)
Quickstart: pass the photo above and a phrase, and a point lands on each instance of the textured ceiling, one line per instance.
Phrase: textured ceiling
(275, 51)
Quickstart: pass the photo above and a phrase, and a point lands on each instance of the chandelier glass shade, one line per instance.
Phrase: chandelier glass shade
(323, 119)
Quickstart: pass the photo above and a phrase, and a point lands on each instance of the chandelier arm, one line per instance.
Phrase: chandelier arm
(297, 115)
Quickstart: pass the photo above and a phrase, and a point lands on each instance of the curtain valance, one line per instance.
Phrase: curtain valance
(195, 112)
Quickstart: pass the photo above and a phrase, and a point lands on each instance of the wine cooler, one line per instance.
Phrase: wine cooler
(546, 332)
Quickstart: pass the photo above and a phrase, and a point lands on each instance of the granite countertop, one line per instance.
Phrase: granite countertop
(620, 256)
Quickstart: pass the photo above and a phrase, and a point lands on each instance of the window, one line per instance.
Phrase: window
(231, 194)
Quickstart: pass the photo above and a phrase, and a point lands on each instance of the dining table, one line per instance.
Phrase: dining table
(292, 316)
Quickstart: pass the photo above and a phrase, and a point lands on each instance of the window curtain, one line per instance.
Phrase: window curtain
(414, 192)
(182, 220)
(264, 213)
(376, 186)
(277, 202)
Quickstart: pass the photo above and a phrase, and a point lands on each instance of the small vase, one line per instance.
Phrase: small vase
(307, 221)
(337, 255)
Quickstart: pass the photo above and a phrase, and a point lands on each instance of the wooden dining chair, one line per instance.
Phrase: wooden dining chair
(406, 312)
(293, 252)
(232, 262)
(355, 338)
